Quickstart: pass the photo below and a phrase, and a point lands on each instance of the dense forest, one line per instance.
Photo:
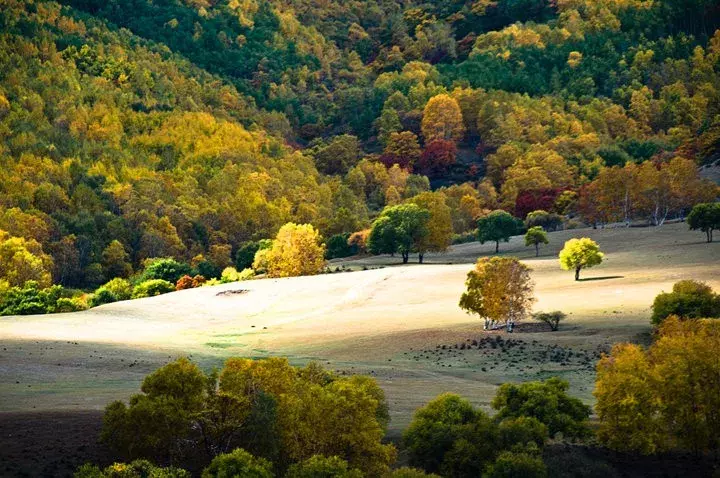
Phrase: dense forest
(191, 129)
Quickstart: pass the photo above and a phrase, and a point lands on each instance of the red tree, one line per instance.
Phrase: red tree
(533, 200)
(438, 156)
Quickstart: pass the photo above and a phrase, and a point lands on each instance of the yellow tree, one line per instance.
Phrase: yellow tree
(498, 289)
(23, 260)
(439, 226)
(442, 119)
(580, 254)
(297, 250)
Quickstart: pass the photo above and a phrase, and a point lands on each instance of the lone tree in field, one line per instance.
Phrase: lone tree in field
(498, 289)
(496, 226)
(705, 217)
(580, 254)
(399, 229)
(534, 237)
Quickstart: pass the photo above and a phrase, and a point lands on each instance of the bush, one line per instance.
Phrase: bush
(101, 296)
(246, 254)
(65, 304)
(136, 469)
(548, 221)
(185, 282)
(523, 432)
(338, 246)
(689, 299)
(551, 318)
(168, 270)
(516, 465)
(406, 472)
(29, 299)
(198, 281)
(470, 236)
(151, 288)
(121, 288)
(238, 463)
(319, 466)
(230, 274)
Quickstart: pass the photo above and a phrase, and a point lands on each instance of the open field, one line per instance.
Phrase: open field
(400, 324)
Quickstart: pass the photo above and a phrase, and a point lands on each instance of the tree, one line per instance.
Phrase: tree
(442, 119)
(551, 318)
(319, 466)
(546, 401)
(580, 254)
(136, 469)
(297, 250)
(534, 237)
(705, 217)
(498, 289)
(516, 465)
(665, 397)
(548, 221)
(439, 224)
(152, 288)
(437, 158)
(402, 149)
(689, 299)
(166, 269)
(496, 226)
(358, 240)
(116, 261)
(341, 154)
(238, 463)
(23, 260)
(399, 229)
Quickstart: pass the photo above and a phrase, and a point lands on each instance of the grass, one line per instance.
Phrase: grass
(390, 322)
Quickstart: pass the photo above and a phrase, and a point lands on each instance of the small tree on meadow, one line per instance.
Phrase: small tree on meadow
(296, 251)
(705, 217)
(496, 226)
(498, 289)
(580, 254)
(534, 237)
(399, 229)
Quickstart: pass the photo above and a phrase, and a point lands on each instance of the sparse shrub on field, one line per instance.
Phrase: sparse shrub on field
(151, 288)
(553, 319)
(689, 299)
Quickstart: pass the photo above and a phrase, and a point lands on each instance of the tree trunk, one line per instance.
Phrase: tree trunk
(537, 249)
(405, 257)
(577, 273)
(497, 247)
(420, 257)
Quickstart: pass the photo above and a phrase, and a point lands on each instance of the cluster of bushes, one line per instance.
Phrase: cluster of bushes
(689, 299)
(32, 299)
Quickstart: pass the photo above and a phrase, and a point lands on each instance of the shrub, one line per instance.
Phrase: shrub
(151, 288)
(339, 246)
(516, 465)
(29, 299)
(246, 254)
(406, 472)
(101, 296)
(238, 463)
(121, 288)
(548, 221)
(65, 304)
(167, 269)
(470, 236)
(319, 466)
(198, 281)
(523, 432)
(551, 318)
(689, 299)
(136, 469)
(185, 282)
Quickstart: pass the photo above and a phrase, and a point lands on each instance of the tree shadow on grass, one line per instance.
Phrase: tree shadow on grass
(587, 279)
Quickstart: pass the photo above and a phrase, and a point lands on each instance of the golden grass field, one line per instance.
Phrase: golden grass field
(390, 321)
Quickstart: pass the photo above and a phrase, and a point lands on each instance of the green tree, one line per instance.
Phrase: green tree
(546, 401)
(166, 269)
(705, 217)
(319, 466)
(136, 469)
(116, 261)
(534, 237)
(578, 254)
(689, 299)
(151, 288)
(399, 229)
(498, 289)
(496, 226)
(517, 465)
(238, 463)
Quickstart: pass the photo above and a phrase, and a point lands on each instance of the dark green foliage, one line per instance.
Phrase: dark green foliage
(544, 219)
(246, 254)
(166, 269)
(546, 401)
(689, 299)
(398, 229)
(238, 463)
(337, 246)
(497, 226)
(705, 217)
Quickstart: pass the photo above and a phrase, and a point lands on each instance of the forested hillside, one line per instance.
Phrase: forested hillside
(140, 129)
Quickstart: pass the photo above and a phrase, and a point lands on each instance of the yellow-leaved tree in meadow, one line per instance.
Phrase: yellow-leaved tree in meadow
(296, 251)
